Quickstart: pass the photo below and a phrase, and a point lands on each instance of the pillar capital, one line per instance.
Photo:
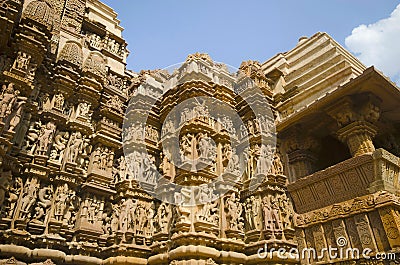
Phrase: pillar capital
(356, 117)
(301, 149)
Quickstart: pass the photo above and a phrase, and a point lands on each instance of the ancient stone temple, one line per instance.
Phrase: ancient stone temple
(290, 161)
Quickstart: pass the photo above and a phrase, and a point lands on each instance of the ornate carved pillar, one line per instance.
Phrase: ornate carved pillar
(391, 222)
(301, 150)
(356, 117)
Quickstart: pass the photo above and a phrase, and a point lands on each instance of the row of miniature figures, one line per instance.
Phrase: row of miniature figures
(106, 43)
(38, 204)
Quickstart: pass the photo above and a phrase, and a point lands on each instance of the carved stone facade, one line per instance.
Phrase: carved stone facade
(82, 184)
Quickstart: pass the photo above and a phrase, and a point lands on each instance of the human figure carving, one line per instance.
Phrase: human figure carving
(210, 203)
(249, 215)
(256, 208)
(150, 170)
(43, 205)
(163, 217)
(13, 194)
(22, 61)
(60, 144)
(234, 214)
(277, 166)
(32, 136)
(60, 205)
(59, 101)
(263, 162)
(7, 100)
(206, 147)
(287, 211)
(74, 147)
(45, 138)
(28, 198)
(186, 147)
(5, 182)
(122, 168)
(233, 163)
(83, 110)
(141, 218)
(276, 219)
(267, 213)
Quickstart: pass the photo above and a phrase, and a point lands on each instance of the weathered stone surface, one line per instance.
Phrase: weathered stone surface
(89, 173)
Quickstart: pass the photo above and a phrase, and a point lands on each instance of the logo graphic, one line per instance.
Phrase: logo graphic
(341, 242)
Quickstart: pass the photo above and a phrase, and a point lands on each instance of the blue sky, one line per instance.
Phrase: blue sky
(161, 33)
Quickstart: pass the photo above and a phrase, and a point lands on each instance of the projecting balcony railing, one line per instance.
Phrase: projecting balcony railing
(349, 179)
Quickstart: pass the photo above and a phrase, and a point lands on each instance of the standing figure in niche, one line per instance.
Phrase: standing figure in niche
(7, 99)
(267, 213)
(45, 137)
(256, 211)
(28, 199)
(276, 219)
(248, 208)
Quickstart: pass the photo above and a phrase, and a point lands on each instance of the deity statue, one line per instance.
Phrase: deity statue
(13, 194)
(228, 125)
(93, 210)
(233, 166)
(29, 198)
(22, 61)
(122, 168)
(32, 136)
(128, 207)
(115, 218)
(83, 110)
(286, 208)
(250, 127)
(73, 204)
(163, 217)
(185, 115)
(209, 202)
(8, 98)
(141, 218)
(256, 208)
(60, 144)
(5, 181)
(83, 155)
(276, 219)
(249, 215)
(167, 166)
(115, 103)
(277, 166)
(186, 147)
(150, 170)
(234, 212)
(201, 111)
(45, 138)
(207, 147)
(106, 219)
(263, 162)
(60, 204)
(267, 212)
(168, 127)
(45, 196)
(74, 146)
(149, 225)
(243, 131)
(59, 101)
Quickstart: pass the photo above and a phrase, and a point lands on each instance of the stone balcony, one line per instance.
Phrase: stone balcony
(349, 179)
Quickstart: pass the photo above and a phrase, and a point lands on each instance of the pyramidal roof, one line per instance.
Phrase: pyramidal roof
(316, 66)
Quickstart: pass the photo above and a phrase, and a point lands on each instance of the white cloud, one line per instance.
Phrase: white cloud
(378, 44)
